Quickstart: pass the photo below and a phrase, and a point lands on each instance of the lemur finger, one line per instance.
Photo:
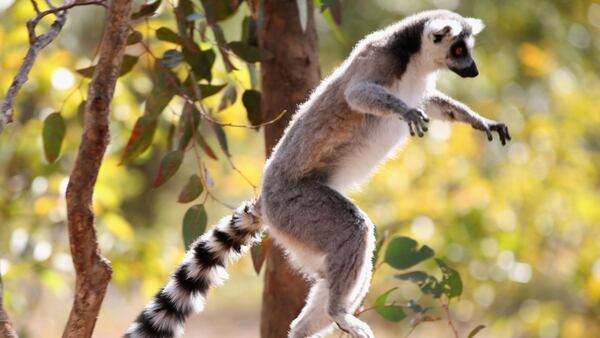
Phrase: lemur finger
(502, 137)
(410, 128)
(489, 134)
(424, 124)
(507, 133)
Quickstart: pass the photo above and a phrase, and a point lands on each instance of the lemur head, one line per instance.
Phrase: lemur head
(448, 41)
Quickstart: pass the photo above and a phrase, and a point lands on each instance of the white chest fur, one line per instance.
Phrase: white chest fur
(384, 138)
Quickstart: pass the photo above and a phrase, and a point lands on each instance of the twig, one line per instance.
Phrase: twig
(92, 270)
(412, 329)
(37, 43)
(7, 329)
(445, 306)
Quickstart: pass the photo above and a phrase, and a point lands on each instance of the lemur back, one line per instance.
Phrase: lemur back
(353, 120)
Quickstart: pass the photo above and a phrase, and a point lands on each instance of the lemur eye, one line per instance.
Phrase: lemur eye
(458, 51)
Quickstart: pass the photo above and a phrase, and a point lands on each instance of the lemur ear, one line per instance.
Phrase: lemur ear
(438, 29)
(476, 25)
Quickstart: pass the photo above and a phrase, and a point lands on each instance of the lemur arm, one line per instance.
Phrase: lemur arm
(371, 98)
(441, 106)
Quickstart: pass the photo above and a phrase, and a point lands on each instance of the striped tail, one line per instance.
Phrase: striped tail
(203, 266)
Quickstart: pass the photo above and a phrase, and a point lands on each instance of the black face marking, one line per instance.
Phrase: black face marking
(406, 43)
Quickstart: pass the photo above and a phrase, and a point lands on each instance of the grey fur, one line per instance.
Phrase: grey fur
(354, 119)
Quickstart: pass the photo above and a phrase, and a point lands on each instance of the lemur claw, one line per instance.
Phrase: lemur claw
(416, 119)
(489, 126)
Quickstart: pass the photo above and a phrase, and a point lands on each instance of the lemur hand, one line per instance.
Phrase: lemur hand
(489, 126)
(416, 119)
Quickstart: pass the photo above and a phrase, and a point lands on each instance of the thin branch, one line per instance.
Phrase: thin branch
(446, 307)
(7, 329)
(37, 43)
(92, 270)
(36, 8)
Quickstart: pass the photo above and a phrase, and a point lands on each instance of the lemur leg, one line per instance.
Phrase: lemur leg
(441, 106)
(314, 320)
(323, 220)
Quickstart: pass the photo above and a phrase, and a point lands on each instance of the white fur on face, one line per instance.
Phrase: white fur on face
(476, 25)
(439, 26)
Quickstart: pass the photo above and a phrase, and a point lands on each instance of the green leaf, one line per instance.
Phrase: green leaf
(200, 61)
(172, 58)
(390, 312)
(228, 98)
(259, 253)
(333, 6)
(252, 101)
(192, 189)
(168, 167)
(147, 9)
(218, 10)
(402, 253)
(331, 21)
(53, 134)
(126, 66)
(222, 138)
(166, 34)
(249, 53)
(475, 331)
(164, 88)
(382, 299)
(205, 147)
(222, 43)
(413, 276)
(194, 224)
(140, 139)
(210, 90)
(188, 122)
(451, 281)
(134, 37)
(379, 245)
(302, 13)
(249, 29)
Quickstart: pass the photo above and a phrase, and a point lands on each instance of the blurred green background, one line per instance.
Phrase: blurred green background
(520, 223)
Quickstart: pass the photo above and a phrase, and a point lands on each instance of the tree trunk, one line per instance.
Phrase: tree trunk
(287, 78)
(7, 329)
(93, 272)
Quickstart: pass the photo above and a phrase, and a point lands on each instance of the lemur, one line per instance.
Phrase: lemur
(355, 119)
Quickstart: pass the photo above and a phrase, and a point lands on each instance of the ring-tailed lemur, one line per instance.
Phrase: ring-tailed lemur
(355, 119)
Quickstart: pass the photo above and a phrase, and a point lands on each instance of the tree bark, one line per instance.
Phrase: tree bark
(93, 271)
(7, 329)
(287, 78)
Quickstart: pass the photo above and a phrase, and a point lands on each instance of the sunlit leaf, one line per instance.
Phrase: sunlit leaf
(168, 167)
(148, 9)
(194, 224)
(188, 122)
(252, 102)
(402, 253)
(140, 139)
(192, 189)
(210, 90)
(451, 281)
(390, 312)
(53, 134)
(249, 53)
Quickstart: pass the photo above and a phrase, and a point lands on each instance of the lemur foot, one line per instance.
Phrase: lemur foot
(353, 326)
(488, 126)
(417, 121)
